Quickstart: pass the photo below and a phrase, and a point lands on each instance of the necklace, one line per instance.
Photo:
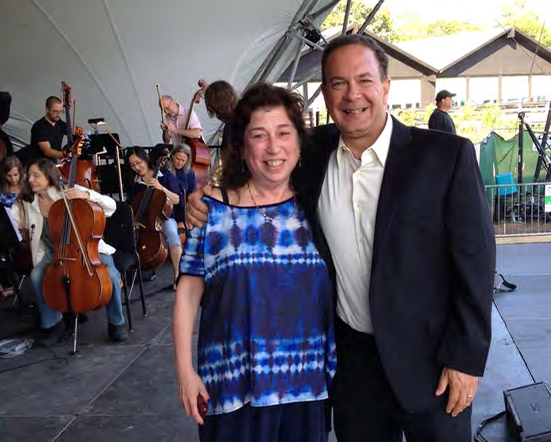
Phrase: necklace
(264, 214)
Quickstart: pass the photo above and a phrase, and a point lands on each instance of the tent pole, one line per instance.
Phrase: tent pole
(321, 11)
(313, 97)
(275, 51)
(370, 16)
(307, 79)
(308, 42)
(295, 66)
(272, 58)
(346, 15)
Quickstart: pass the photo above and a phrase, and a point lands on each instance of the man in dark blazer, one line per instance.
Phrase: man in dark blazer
(405, 210)
(400, 216)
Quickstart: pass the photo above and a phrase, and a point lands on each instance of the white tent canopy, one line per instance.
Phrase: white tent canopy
(113, 52)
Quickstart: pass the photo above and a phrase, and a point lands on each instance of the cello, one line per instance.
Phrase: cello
(86, 175)
(200, 152)
(152, 208)
(76, 281)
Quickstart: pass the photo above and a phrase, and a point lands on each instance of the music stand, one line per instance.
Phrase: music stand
(9, 240)
(9, 234)
(103, 143)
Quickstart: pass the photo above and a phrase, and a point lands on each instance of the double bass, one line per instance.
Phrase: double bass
(151, 209)
(86, 175)
(76, 281)
(200, 152)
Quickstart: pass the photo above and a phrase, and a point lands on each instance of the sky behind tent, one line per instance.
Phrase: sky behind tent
(482, 12)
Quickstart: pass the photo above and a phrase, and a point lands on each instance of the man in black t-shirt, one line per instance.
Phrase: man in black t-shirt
(48, 132)
(440, 119)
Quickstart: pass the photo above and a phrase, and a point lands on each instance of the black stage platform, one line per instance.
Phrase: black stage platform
(126, 392)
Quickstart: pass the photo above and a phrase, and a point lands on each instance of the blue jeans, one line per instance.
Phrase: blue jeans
(49, 317)
(170, 230)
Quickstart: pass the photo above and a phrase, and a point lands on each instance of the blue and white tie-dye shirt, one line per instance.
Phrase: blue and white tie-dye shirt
(266, 332)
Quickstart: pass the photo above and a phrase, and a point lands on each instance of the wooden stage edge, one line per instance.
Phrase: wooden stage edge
(530, 239)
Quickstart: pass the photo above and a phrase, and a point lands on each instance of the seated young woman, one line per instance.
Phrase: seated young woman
(140, 164)
(12, 175)
(40, 191)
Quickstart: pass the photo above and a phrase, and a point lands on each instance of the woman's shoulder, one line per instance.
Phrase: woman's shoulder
(224, 197)
(165, 171)
(216, 195)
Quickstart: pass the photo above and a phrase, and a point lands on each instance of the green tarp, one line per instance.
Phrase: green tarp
(498, 156)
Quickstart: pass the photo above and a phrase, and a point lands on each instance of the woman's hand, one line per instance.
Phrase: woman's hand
(153, 182)
(189, 388)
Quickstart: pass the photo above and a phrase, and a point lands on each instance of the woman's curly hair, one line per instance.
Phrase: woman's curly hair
(235, 172)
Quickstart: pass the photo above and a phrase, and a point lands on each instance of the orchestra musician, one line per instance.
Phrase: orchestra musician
(139, 162)
(48, 132)
(220, 101)
(174, 124)
(180, 166)
(12, 175)
(40, 191)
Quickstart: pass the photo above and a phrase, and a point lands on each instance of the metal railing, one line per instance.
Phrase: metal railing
(519, 209)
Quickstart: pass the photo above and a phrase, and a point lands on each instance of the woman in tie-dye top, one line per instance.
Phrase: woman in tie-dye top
(266, 351)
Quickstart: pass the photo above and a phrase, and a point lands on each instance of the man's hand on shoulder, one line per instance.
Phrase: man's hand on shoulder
(462, 389)
(196, 210)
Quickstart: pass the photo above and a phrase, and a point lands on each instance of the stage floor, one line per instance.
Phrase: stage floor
(113, 392)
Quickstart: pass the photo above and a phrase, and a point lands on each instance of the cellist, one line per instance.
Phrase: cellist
(140, 164)
(40, 191)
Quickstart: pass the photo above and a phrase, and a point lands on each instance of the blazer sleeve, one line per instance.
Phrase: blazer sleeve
(471, 244)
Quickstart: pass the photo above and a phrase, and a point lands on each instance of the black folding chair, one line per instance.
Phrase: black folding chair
(119, 232)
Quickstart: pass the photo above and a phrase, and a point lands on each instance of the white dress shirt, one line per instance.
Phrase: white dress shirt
(347, 209)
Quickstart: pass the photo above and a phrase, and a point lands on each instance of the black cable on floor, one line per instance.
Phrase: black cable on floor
(55, 357)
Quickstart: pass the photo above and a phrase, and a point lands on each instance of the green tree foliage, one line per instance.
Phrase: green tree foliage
(450, 27)
(416, 29)
(518, 14)
(380, 25)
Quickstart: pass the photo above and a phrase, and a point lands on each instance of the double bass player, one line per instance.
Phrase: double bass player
(174, 122)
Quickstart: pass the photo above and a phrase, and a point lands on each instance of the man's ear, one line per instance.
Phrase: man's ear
(386, 90)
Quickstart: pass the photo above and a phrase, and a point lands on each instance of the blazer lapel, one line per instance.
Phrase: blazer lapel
(394, 174)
